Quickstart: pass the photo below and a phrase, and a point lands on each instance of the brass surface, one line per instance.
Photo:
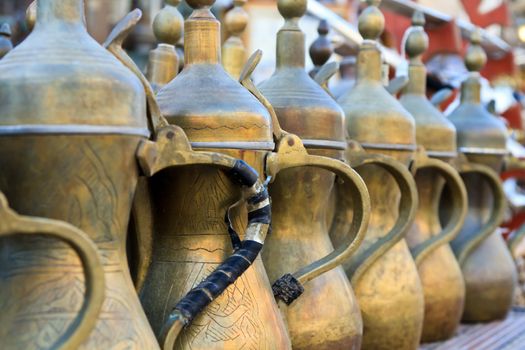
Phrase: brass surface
(12, 224)
(219, 114)
(68, 145)
(233, 50)
(441, 278)
(190, 235)
(163, 62)
(299, 231)
(385, 279)
(486, 263)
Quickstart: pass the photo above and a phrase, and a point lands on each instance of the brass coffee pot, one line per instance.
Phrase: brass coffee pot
(12, 224)
(488, 268)
(72, 120)
(440, 274)
(219, 114)
(300, 234)
(383, 272)
(163, 62)
(233, 50)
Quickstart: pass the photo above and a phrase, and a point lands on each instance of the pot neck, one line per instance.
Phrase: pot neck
(417, 78)
(471, 89)
(202, 41)
(70, 12)
(369, 62)
(290, 45)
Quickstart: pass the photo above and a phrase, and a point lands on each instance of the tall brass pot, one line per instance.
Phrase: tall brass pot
(488, 268)
(72, 119)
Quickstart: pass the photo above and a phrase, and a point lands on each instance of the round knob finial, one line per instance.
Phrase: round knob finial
(236, 19)
(417, 40)
(321, 49)
(168, 24)
(291, 8)
(199, 4)
(371, 21)
(476, 57)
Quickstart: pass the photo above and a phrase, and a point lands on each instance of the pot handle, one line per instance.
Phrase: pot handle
(292, 154)
(356, 266)
(465, 242)
(172, 149)
(12, 224)
(459, 204)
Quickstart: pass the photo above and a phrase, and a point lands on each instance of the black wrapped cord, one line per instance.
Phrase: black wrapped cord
(216, 283)
(243, 174)
(287, 288)
(244, 254)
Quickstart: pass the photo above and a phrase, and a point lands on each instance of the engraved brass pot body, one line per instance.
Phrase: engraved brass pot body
(299, 229)
(440, 273)
(190, 237)
(488, 268)
(388, 290)
(72, 119)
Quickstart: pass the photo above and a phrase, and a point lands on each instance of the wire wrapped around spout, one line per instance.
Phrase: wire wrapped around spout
(259, 218)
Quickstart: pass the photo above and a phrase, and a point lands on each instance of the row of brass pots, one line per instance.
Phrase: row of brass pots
(70, 153)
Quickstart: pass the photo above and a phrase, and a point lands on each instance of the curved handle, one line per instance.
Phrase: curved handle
(172, 149)
(360, 262)
(291, 154)
(12, 224)
(113, 44)
(459, 206)
(467, 241)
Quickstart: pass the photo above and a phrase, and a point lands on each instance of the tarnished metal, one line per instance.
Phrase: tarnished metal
(383, 273)
(12, 224)
(189, 232)
(80, 116)
(300, 234)
(487, 266)
(233, 50)
(163, 62)
(438, 268)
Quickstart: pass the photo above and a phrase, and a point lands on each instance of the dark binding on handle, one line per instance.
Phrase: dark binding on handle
(244, 254)
(287, 288)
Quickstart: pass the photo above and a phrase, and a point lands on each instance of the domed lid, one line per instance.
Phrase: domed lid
(478, 131)
(373, 116)
(433, 130)
(214, 110)
(61, 81)
(233, 51)
(302, 106)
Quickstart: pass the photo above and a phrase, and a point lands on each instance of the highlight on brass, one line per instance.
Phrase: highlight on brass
(262, 175)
